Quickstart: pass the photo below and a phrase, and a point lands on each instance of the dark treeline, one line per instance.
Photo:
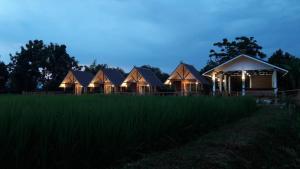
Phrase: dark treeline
(40, 66)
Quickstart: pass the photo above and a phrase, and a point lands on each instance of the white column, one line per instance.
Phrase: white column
(243, 82)
(250, 81)
(220, 83)
(274, 82)
(229, 84)
(214, 83)
(225, 83)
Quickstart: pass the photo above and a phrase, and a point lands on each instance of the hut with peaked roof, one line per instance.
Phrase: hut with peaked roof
(141, 81)
(107, 81)
(186, 79)
(245, 75)
(77, 80)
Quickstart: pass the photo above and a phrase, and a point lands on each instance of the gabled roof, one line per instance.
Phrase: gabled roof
(84, 78)
(247, 57)
(192, 71)
(149, 76)
(196, 74)
(114, 76)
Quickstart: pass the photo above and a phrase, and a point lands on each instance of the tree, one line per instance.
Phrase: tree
(3, 76)
(94, 67)
(230, 49)
(55, 65)
(39, 65)
(161, 75)
(241, 45)
(292, 64)
(25, 66)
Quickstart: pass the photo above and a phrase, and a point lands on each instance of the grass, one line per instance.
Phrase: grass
(269, 139)
(94, 131)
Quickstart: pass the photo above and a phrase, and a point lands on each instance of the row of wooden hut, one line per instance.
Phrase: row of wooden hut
(242, 74)
(184, 79)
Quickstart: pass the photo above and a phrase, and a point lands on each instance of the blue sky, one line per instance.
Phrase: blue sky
(157, 32)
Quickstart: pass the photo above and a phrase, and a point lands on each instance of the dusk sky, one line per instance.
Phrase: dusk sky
(157, 32)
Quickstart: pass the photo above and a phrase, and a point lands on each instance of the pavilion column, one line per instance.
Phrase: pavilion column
(220, 83)
(243, 82)
(214, 83)
(225, 83)
(274, 82)
(250, 81)
(229, 84)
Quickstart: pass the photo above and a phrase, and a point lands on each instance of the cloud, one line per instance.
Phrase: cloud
(161, 33)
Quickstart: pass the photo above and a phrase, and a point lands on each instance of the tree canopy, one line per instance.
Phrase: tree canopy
(227, 50)
(290, 63)
(40, 65)
(94, 67)
(161, 75)
(3, 76)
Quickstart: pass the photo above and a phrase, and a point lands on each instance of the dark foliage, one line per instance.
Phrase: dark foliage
(230, 49)
(3, 76)
(94, 68)
(40, 66)
(290, 63)
(161, 75)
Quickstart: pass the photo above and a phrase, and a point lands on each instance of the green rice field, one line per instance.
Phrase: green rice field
(95, 130)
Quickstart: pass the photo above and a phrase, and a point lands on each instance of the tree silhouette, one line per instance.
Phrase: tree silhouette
(3, 76)
(161, 75)
(94, 67)
(292, 64)
(40, 65)
(227, 50)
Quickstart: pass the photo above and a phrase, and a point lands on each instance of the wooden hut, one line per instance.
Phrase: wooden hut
(77, 80)
(107, 81)
(243, 75)
(186, 79)
(141, 81)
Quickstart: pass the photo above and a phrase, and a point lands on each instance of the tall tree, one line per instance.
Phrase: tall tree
(292, 64)
(25, 66)
(161, 75)
(55, 65)
(3, 76)
(227, 50)
(230, 49)
(40, 65)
